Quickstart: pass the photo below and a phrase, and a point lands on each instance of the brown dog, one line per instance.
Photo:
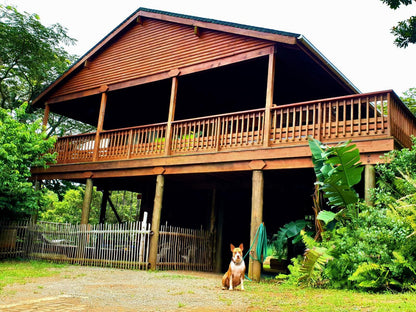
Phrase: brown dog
(235, 274)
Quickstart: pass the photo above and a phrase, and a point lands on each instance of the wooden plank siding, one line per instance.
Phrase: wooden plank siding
(364, 117)
(156, 47)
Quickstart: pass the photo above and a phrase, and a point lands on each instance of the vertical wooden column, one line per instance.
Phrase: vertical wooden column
(369, 183)
(171, 116)
(45, 116)
(100, 123)
(85, 215)
(254, 269)
(269, 98)
(157, 211)
(103, 209)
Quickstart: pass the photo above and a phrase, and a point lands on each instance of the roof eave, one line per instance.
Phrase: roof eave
(311, 48)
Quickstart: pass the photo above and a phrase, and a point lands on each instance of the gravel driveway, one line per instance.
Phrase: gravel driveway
(101, 289)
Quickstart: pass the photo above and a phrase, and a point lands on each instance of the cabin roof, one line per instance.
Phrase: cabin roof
(282, 37)
(219, 22)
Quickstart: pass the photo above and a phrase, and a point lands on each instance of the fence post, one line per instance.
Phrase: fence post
(157, 210)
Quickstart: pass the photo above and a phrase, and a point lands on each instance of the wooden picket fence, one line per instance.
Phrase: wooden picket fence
(13, 241)
(108, 245)
(185, 249)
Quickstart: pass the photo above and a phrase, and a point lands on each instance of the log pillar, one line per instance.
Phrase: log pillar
(369, 183)
(157, 211)
(171, 116)
(45, 116)
(254, 269)
(100, 122)
(103, 210)
(85, 215)
(269, 98)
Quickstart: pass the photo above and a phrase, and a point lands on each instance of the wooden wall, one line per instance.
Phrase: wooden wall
(155, 47)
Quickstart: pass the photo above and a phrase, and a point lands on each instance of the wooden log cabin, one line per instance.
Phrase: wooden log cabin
(211, 119)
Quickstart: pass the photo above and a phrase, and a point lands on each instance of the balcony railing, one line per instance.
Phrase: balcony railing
(364, 116)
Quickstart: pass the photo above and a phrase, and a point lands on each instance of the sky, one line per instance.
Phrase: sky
(354, 35)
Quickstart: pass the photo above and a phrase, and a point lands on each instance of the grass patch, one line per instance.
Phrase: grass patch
(21, 272)
(272, 296)
(162, 274)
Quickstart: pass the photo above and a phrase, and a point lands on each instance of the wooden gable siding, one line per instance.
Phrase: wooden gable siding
(156, 47)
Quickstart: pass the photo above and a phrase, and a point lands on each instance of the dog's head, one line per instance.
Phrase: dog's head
(237, 253)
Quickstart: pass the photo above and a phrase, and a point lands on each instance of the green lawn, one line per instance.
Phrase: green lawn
(264, 296)
(274, 297)
(21, 271)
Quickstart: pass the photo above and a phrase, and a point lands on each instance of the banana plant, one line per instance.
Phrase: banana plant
(337, 170)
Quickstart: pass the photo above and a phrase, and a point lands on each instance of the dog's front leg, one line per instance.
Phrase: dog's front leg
(242, 282)
(231, 282)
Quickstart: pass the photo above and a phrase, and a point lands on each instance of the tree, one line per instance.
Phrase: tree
(409, 98)
(32, 56)
(22, 146)
(404, 31)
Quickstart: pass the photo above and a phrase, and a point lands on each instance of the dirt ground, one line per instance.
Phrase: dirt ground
(101, 289)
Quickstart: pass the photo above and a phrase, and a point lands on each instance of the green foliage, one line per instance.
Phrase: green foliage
(290, 230)
(337, 170)
(31, 55)
(22, 146)
(409, 99)
(315, 259)
(404, 31)
(374, 250)
(68, 208)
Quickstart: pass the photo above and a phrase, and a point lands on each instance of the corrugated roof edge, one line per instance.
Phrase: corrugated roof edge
(220, 22)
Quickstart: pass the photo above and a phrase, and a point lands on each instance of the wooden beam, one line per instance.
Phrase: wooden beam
(171, 115)
(157, 211)
(45, 116)
(269, 97)
(197, 31)
(100, 123)
(86, 205)
(103, 208)
(254, 270)
(273, 36)
(114, 210)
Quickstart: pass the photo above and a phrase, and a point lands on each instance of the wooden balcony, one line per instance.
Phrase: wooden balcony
(379, 120)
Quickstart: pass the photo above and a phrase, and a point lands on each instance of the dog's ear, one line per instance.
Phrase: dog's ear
(241, 246)
(232, 247)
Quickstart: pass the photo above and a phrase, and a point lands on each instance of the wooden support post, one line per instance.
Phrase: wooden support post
(157, 211)
(218, 247)
(45, 116)
(114, 210)
(269, 98)
(369, 183)
(100, 123)
(213, 210)
(171, 116)
(106, 195)
(254, 269)
(85, 215)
